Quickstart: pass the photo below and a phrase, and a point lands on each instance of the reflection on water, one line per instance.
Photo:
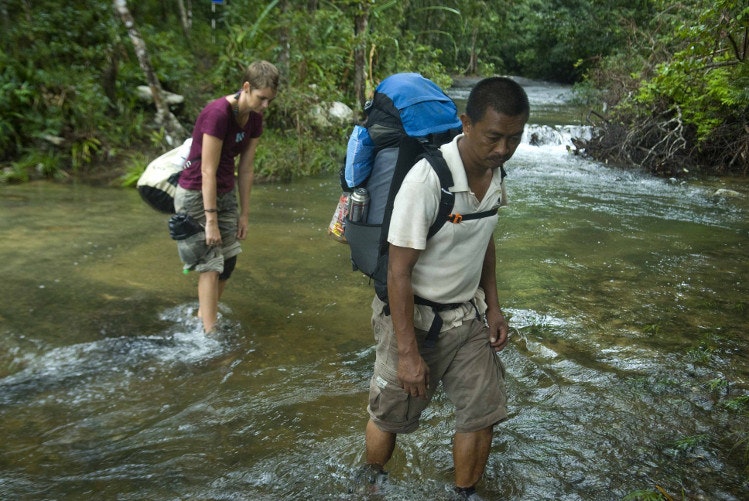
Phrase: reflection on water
(628, 294)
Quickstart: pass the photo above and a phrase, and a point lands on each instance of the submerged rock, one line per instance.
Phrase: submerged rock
(726, 193)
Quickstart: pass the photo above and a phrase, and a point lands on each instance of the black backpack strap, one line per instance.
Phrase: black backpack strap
(435, 328)
(409, 152)
(447, 199)
(458, 218)
(440, 138)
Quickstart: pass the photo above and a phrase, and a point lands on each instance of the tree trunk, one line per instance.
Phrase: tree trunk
(472, 68)
(284, 55)
(185, 15)
(361, 23)
(175, 133)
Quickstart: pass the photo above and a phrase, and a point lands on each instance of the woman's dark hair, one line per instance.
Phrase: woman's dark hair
(502, 94)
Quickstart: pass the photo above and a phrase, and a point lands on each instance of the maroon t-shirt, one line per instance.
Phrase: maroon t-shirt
(217, 120)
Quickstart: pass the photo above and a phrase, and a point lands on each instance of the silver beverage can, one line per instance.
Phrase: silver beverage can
(358, 205)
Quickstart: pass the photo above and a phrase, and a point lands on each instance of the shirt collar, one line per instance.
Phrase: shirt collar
(452, 156)
(455, 163)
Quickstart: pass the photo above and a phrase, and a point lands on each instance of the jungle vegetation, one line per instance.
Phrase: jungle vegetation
(667, 81)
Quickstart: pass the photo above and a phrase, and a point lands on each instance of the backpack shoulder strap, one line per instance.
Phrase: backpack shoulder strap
(447, 199)
(409, 151)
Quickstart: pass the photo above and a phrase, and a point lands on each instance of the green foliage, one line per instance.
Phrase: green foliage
(36, 163)
(283, 157)
(83, 151)
(68, 71)
(134, 167)
(738, 404)
(47, 83)
(247, 39)
(717, 385)
(561, 39)
(321, 54)
(688, 444)
(706, 76)
(67, 80)
(683, 78)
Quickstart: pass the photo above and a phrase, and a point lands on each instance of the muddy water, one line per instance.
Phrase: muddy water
(627, 370)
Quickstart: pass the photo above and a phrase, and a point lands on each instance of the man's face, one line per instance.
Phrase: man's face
(493, 140)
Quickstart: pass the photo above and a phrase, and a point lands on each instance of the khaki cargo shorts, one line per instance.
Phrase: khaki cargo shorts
(193, 251)
(472, 375)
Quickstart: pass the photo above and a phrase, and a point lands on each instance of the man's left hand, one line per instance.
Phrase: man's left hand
(498, 329)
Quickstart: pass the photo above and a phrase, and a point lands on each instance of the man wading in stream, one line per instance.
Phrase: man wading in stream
(455, 271)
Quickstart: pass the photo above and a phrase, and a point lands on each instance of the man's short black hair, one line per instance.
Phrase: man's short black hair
(502, 94)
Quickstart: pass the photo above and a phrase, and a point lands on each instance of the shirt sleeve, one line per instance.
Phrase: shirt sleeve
(215, 122)
(415, 208)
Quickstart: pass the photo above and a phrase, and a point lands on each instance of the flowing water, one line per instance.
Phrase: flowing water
(627, 369)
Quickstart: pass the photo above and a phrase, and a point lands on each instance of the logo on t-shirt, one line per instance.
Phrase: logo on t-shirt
(240, 136)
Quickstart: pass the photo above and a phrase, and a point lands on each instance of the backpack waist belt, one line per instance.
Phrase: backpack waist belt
(434, 330)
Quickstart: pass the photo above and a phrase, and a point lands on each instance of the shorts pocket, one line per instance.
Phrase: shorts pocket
(388, 403)
(192, 249)
(392, 408)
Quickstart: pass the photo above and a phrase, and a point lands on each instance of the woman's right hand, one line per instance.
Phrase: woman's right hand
(212, 233)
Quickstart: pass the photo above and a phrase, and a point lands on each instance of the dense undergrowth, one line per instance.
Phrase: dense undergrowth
(668, 82)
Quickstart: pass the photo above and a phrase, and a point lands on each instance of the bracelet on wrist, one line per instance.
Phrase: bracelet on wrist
(210, 210)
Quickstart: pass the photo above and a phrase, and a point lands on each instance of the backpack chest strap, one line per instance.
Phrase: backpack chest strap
(458, 218)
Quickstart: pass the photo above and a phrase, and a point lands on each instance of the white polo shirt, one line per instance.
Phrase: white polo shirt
(449, 268)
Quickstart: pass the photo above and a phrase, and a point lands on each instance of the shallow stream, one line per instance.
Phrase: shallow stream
(626, 370)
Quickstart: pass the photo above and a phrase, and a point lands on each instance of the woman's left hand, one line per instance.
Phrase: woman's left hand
(242, 228)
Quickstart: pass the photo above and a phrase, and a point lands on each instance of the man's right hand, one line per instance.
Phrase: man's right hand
(413, 374)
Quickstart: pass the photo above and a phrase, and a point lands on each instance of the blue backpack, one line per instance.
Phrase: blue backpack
(408, 119)
(404, 105)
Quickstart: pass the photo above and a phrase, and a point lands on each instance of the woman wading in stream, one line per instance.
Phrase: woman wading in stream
(226, 128)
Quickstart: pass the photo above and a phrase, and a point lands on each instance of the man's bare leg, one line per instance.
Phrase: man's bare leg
(470, 454)
(380, 445)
